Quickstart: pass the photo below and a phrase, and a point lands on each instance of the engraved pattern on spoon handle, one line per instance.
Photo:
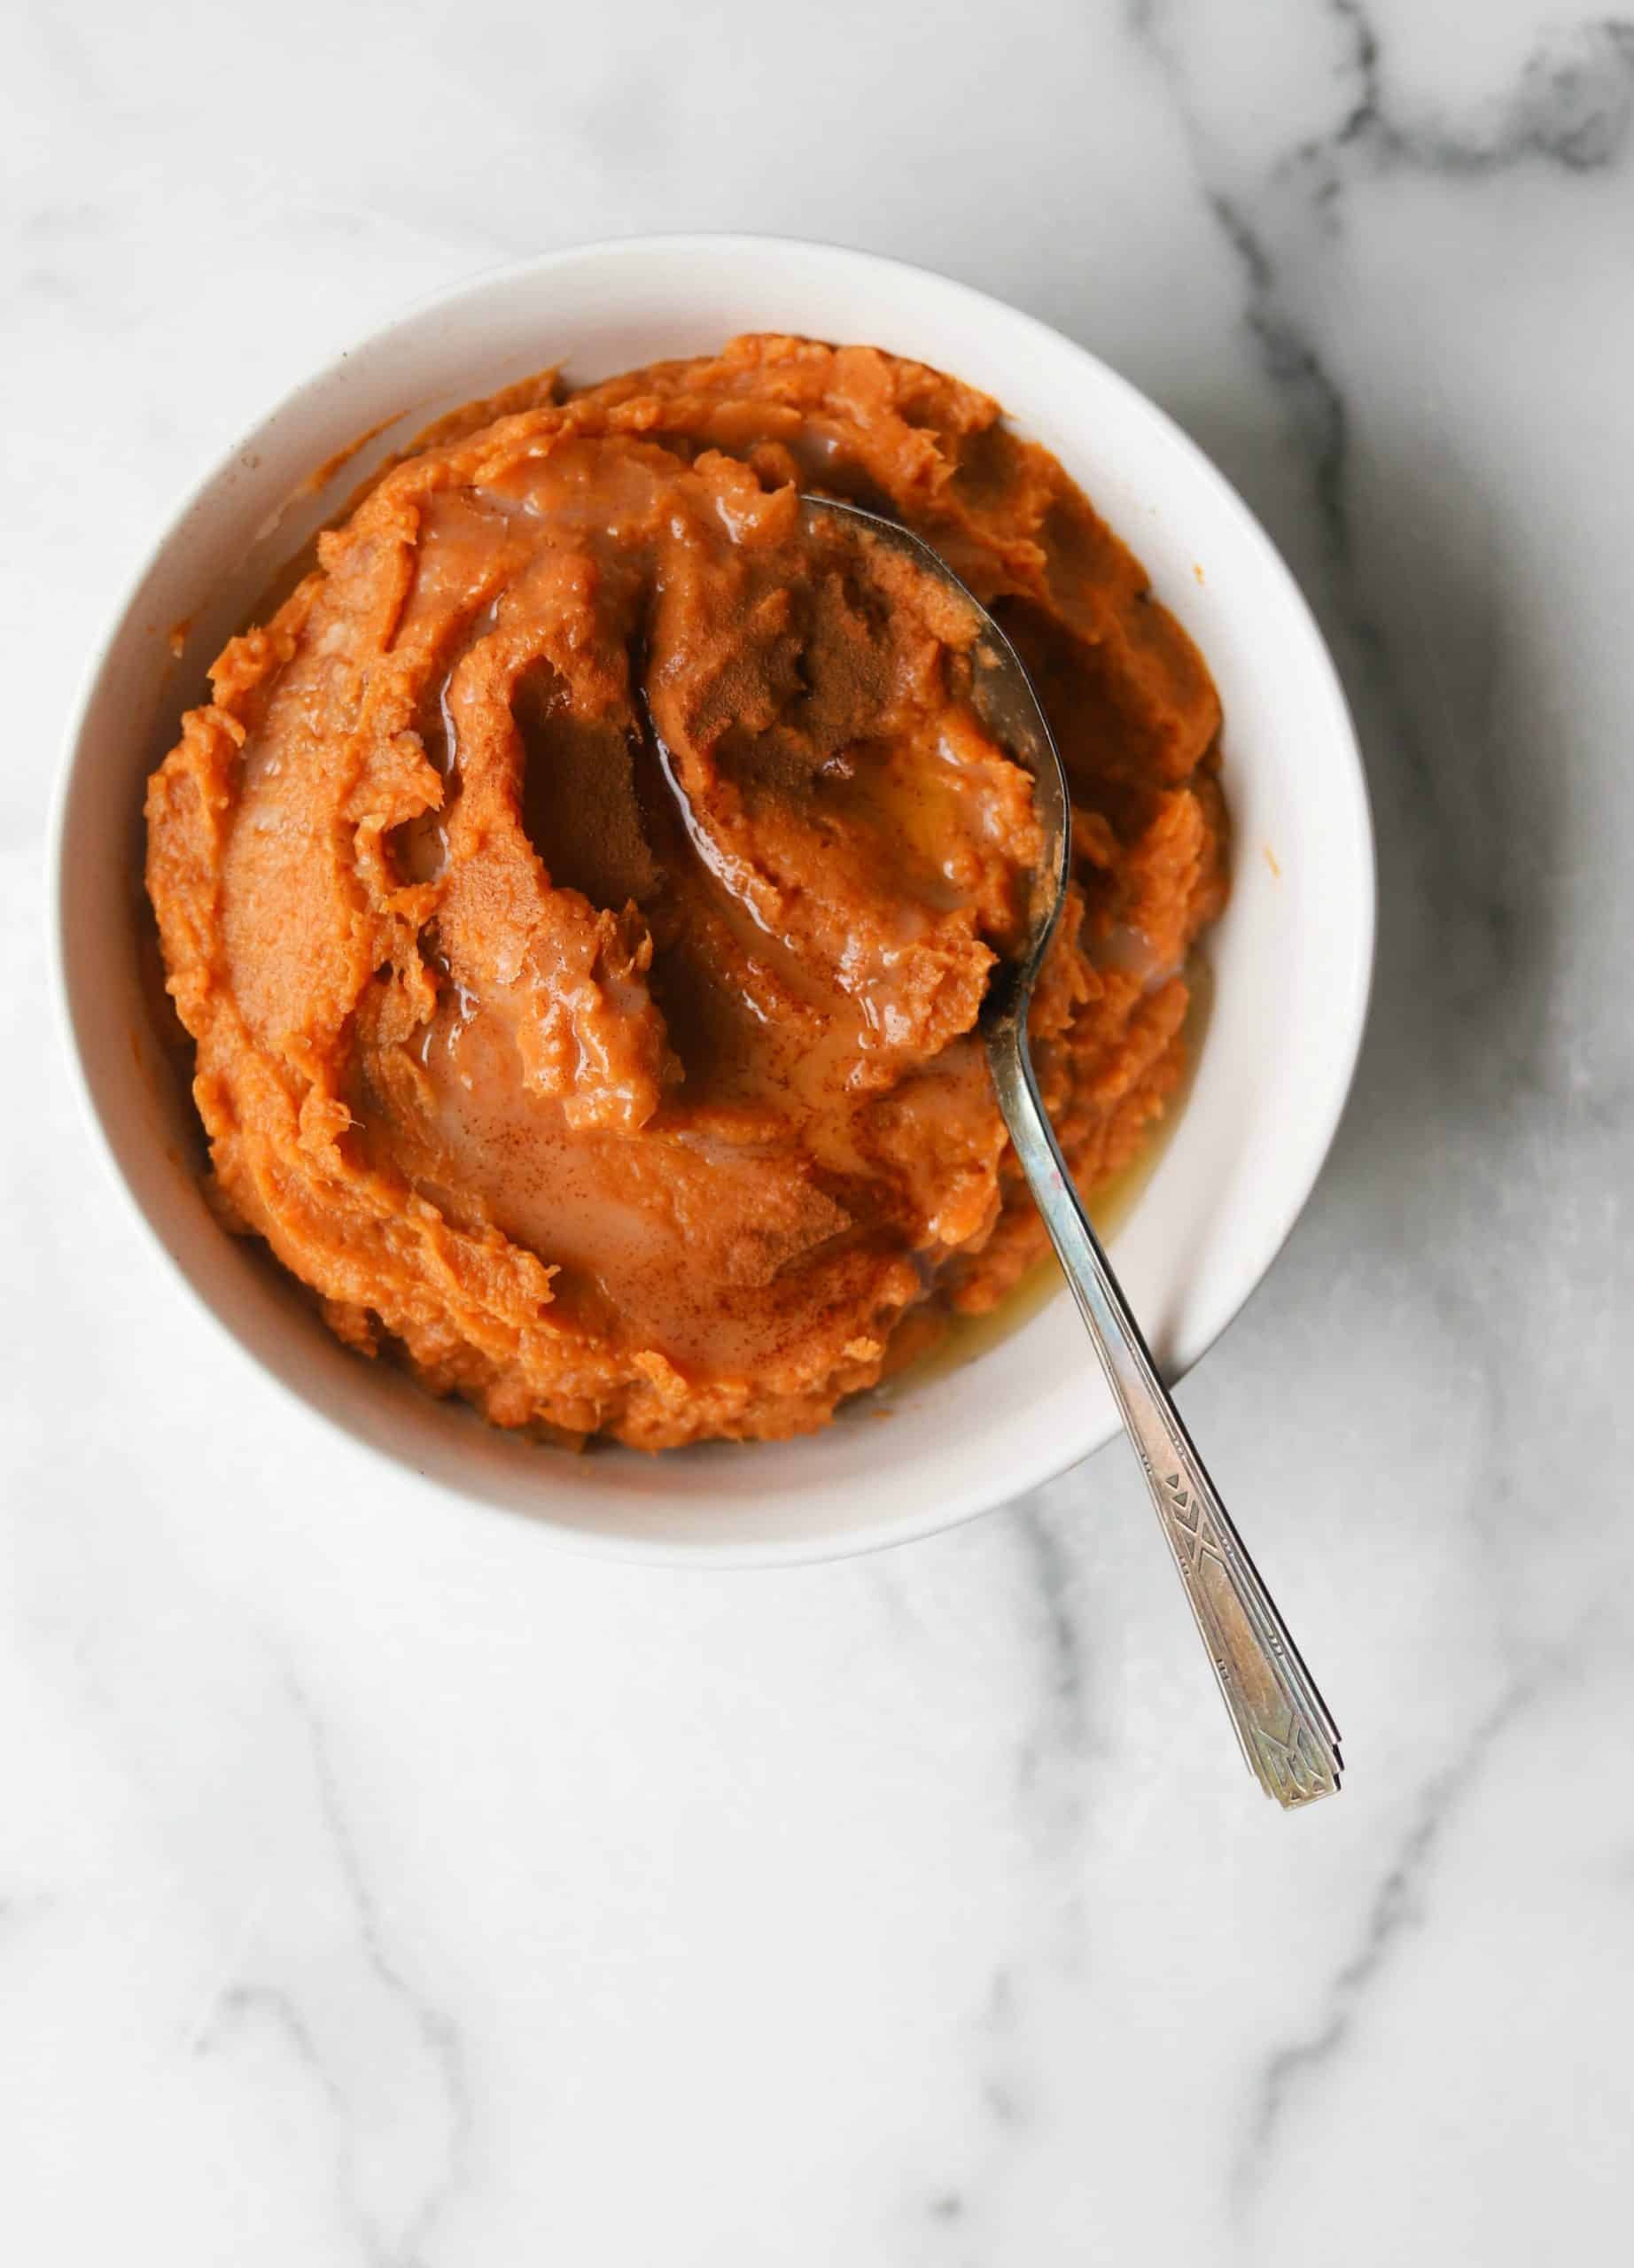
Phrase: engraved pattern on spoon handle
(1287, 1735)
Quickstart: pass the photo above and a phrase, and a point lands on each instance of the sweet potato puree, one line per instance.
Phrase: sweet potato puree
(581, 892)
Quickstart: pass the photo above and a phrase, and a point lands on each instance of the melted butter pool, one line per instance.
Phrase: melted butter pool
(1110, 1207)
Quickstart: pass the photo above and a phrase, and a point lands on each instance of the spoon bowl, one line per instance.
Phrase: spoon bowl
(1004, 699)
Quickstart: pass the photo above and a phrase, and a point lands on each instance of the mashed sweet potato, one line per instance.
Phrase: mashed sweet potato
(581, 892)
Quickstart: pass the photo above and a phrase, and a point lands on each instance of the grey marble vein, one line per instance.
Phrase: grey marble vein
(1571, 106)
(1294, 366)
(1397, 1909)
(1439, 737)
(1051, 1579)
(257, 1999)
(244, 2005)
(439, 2034)
(1056, 1762)
(1480, 808)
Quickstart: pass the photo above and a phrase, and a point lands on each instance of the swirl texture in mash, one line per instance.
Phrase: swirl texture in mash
(581, 892)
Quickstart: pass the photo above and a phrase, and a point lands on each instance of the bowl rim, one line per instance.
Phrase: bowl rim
(1351, 1013)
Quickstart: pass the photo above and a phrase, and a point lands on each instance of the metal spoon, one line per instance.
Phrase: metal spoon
(1288, 1736)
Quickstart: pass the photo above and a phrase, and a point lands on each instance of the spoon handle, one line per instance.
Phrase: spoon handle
(1288, 1736)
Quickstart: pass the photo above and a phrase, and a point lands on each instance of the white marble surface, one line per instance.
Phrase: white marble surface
(377, 1887)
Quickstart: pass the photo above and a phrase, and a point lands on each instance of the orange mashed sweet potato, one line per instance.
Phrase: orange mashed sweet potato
(581, 892)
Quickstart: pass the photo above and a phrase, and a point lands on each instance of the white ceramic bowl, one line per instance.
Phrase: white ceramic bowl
(1292, 957)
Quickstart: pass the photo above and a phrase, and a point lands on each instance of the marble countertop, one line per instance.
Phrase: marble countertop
(378, 1887)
